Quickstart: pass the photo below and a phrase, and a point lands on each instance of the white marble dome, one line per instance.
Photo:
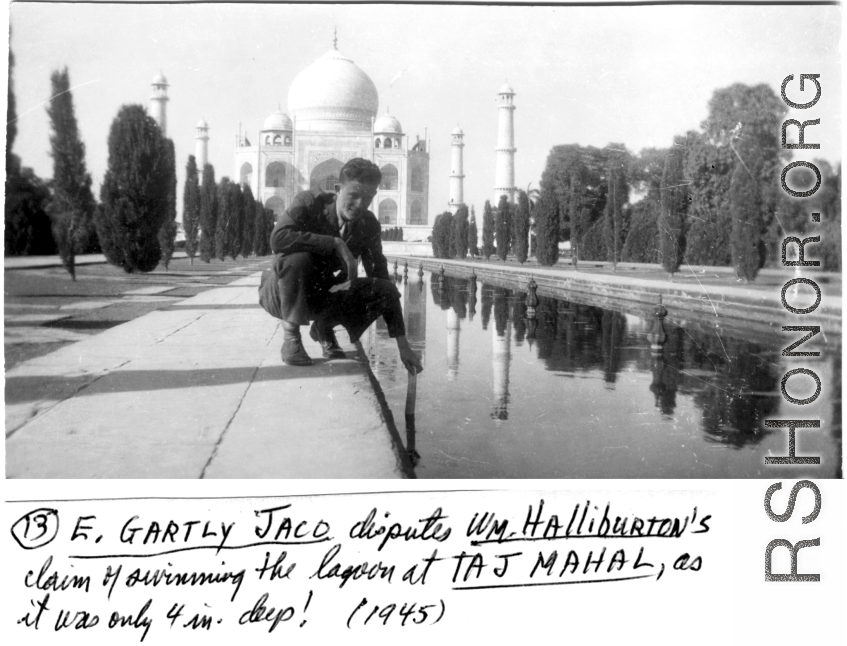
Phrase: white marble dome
(387, 124)
(458, 131)
(160, 79)
(506, 89)
(277, 121)
(333, 94)
(202, 124)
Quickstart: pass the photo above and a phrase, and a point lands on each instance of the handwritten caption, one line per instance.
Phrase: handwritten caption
(357, 562)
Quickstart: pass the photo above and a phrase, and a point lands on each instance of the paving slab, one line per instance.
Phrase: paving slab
(37, 334)
(142, 291)
(194, 391)
(14, 319)
(88, 305)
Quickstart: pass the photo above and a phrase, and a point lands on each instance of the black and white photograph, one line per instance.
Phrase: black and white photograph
(269, 266)
(271, 241)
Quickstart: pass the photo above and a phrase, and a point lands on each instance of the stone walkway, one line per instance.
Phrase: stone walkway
(195, 390)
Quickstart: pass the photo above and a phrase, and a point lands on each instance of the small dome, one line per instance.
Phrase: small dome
(387, 124)
(278, 121)
(202, 124)
(160, 79)
(458, 131)
(506, 89)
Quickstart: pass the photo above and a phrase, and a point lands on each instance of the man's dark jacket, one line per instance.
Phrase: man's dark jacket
(311, 223)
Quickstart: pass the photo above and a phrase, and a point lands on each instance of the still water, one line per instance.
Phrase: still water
(578, 392)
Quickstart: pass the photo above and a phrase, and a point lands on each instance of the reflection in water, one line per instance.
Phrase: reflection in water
(453, 331)
(743, 392)
(472, 297)
(500, 358)
(836, 406)
(665, 371)
(487, 300)
(614, 326)
(643, 397)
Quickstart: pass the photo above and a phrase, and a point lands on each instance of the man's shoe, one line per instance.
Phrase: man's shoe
(294, 354)
(328, 342)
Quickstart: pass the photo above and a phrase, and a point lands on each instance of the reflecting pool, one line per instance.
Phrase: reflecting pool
(579, 391)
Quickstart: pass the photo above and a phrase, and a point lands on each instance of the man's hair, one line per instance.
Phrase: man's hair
(360, 170)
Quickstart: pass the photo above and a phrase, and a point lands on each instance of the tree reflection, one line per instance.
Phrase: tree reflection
(471, 298)
(666, 375)
(614, 327)
(741, 394)
(457, 288)
(487, 293)
(836, 409)
(440, 293)
(519, 317)
(501, 309)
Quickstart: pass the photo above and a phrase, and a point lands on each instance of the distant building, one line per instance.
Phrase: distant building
(333, 106)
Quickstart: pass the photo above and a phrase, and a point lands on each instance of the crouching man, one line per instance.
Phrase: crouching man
(317, 243)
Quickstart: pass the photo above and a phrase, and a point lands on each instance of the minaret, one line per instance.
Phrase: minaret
(201, 148)
(457, 174)
(158, 102)
(504, 175)
(501, 356)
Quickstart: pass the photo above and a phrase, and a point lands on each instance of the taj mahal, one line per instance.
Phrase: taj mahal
(333, 117)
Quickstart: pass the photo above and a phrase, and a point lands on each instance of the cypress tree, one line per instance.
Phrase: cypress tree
(28, 227)
(501, 225)
(248, 209)
(616, 198)
(487, 231)
(547, 230)
(167, 234)
(191, 208)
(672, 208)
(235, 225)
(434, 237)
(473, 242)
(520, 225)
(460, 232)
(134, 194)
(744, 197)
(259, 226)
(225, 214)
(445, 235)
(641, 240)
(11, 113)
(271, 223)
(208, 214)
(72, 204)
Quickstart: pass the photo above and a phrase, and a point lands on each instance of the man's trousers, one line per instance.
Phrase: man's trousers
(296, 290)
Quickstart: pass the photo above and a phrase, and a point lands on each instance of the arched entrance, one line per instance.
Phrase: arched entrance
(275, 175)
(247, 173)
(325, 175)
(388, 211)
(390, 178)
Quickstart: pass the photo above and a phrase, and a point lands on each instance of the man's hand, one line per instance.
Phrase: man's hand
(347, 259)
(408, 356)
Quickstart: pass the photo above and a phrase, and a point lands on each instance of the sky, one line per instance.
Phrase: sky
(586, 75)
